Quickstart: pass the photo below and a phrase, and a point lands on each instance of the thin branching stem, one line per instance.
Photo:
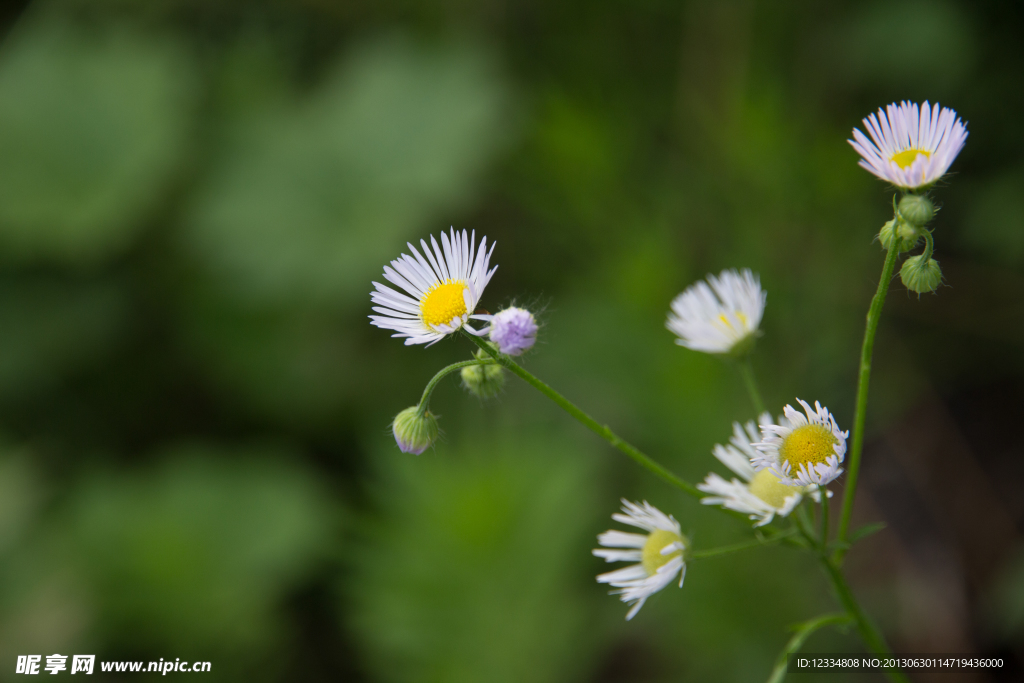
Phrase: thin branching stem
(590, 423)
(424, 403)
(746, 370)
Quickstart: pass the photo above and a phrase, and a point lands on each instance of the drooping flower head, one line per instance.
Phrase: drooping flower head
(807, 451)
(910, 146)
(443, 286)
(762, 495)
(721, 315)
(415, 431)
(658, 554)
(514, 330)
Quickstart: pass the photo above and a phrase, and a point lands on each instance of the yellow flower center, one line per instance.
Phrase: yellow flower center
(809, 445)
(443, 302)
(656, 541)
(725, 319)
(908, 156)
(768, 488)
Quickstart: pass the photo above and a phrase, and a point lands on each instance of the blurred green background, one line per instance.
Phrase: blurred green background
(195, 459)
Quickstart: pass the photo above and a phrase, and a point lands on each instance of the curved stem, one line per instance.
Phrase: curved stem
(860, 414)
(868, 631)
(726, 549)
(593, 425)
(803, 632)
(929, 246)
(746, 369)
(441, 374)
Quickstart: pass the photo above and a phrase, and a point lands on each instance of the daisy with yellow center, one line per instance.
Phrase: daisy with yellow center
(910, 146)
(658, 554)
(762, 495)
(807, 451)
(443, 287)
(721, 315)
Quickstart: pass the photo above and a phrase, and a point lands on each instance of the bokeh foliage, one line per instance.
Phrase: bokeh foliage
(195, 196)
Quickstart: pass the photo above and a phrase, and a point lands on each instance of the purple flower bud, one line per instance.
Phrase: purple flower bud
(514, 330)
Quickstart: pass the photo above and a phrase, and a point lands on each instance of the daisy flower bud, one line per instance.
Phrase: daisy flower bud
(415, 432)
(906, 236)
(921, 275)
(514, 330)
(483, 381)
(658, 554)
(916, 209)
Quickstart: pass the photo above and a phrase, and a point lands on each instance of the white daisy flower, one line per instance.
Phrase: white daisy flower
(911, 147)
(658, 554)
(444, 289)
(805, 452)
(760, 494)
(722, 317)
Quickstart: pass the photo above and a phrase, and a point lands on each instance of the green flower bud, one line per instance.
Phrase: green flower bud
(906, 235)
(916, 209)
(415, 433)
(483, 381)
(919, 275)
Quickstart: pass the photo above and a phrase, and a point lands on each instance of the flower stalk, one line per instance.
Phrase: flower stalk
(864, 379)
(590, 423)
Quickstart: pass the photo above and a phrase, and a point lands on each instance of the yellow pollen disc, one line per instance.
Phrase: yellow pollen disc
(768, 488)
(652, 557)
(808, 445)
(725, 320)
(443, 302)
(908, 156)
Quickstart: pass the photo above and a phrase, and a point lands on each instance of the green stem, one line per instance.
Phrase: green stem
(441, 374)
(601, 430)
(746, 369)
(929, 245)
(860, 414)
(823, 494)
(868, 632)
(803, 632)
(726, 549)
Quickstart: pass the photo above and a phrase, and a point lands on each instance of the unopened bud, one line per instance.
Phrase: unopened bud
(919, 275)
(514, 330)
(906, 235)
(483, 381)
(415, 433)
(916, 209)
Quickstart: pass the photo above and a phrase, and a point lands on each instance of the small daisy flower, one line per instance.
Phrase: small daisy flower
(805, 452)
(762, 495)
(443, 289)
(658, 554)
(514, 330)
(910, 146)
(721, 318)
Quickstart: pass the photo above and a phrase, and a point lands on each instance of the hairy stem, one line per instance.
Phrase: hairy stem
(860, 413)
(590, 423)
